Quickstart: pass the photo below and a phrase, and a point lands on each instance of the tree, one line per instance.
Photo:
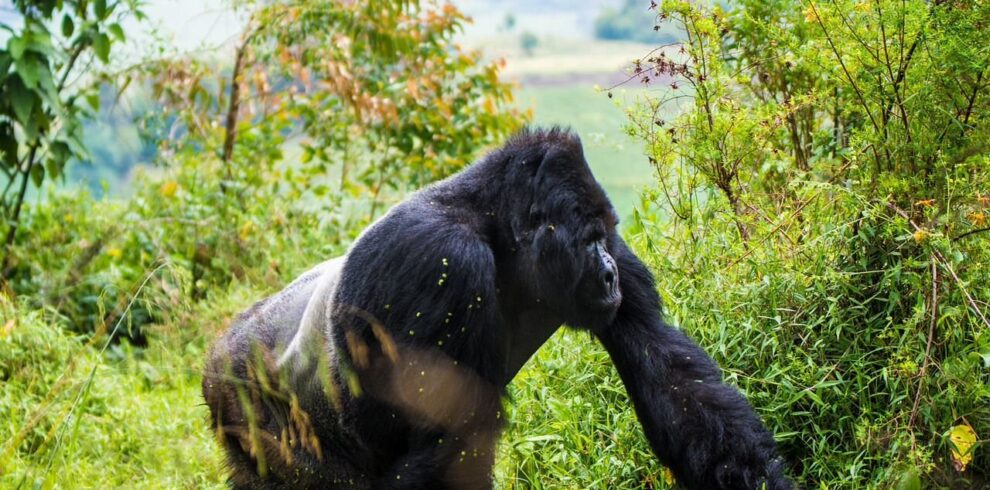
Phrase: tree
(44, 96)
(333, 107)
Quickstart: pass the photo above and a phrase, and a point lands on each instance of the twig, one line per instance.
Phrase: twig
(787, 220)
(946, 264)
(928, 345)
(971, 232)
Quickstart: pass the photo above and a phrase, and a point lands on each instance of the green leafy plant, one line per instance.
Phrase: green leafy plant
(43, 95)
(820, 207)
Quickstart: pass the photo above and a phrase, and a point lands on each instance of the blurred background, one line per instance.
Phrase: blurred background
(561, 56)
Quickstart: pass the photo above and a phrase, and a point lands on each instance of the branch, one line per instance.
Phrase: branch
(838, 57)
(971, 232)
(928, 344)
(946, 264)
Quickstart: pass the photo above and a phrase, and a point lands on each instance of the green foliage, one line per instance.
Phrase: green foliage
(277, 163)
(820, 219)
(78, 417)
(375, 96)
(571, 424)
(42, 100)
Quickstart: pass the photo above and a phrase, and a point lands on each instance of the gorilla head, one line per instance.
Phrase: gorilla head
(563, 228)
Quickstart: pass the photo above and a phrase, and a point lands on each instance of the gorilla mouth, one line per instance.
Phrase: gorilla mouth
(606, 301)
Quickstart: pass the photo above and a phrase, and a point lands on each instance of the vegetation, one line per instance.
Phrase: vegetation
(45, 97)
(817, 216)
(820, 216)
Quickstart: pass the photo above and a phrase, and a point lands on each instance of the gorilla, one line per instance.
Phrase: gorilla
(387, 367)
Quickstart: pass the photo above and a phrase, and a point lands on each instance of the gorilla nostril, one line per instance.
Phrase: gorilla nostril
(609, 277)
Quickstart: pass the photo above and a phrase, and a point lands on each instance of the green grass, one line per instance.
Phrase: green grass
(139, 423)
(571, 424)
(142, 420)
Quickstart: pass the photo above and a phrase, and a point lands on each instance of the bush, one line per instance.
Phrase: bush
(820, 219)
(81, 413)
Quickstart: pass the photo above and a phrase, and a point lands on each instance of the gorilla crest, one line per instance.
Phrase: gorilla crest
(386, 367)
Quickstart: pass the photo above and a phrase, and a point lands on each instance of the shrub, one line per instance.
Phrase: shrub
(820, 218)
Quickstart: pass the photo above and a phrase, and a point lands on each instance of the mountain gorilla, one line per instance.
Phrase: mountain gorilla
(385, 368)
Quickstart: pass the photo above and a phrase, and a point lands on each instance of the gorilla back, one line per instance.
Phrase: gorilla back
(385, 368)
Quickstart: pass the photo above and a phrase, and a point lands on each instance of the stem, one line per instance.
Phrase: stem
(18, 203)
(928, 345)
(15, 216)
(842, 63)
(233, 107)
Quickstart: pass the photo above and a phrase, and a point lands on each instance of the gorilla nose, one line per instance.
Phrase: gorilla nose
(609, 277)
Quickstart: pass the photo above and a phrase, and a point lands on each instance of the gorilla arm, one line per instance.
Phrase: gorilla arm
(435, 357)
(704, 430)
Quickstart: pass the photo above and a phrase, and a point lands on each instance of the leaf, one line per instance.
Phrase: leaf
(668, 476)
(910, 480)
(93, 99)
(16, 46)
(5, 61)
(54, 167)
(37, 174)
(168, 188)
(100, 9)
(67, 25)
(29, 70)
(22, 99)
(117, 32)
(8, 144)
(963, 439)
(101, 45)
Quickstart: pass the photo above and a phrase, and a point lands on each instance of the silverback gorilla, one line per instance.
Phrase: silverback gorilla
(386, 368)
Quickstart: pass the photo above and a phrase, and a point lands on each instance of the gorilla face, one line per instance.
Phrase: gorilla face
(572, 225)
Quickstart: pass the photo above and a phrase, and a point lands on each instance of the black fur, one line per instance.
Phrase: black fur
(386, 369)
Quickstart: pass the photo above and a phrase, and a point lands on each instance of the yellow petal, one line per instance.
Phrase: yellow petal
(963, 438)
